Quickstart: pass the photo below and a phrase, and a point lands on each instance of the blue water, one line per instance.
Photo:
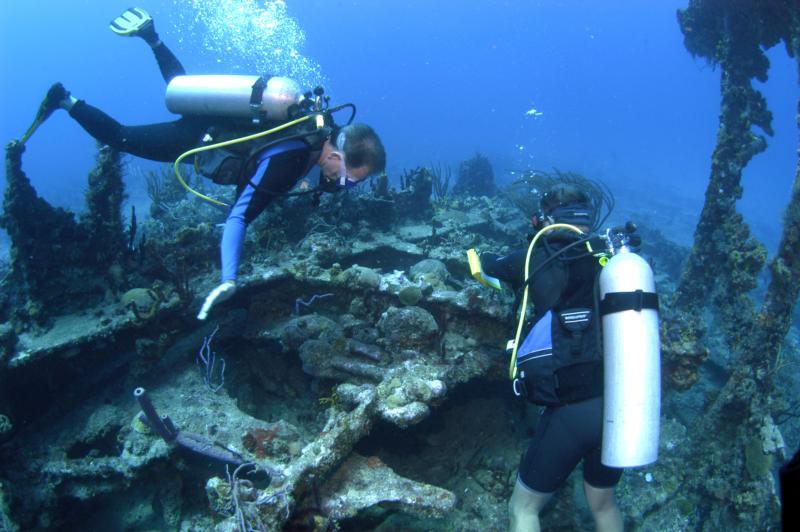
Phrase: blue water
(620, 98)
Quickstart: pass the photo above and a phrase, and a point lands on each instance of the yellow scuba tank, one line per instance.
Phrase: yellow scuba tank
(235, 96)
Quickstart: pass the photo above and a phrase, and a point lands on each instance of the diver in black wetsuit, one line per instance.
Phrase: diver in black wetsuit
(570, 429)
(345, 158)
(157, 142)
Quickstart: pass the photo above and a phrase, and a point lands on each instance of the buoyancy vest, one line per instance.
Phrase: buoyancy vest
(560, 360)
(235, 163)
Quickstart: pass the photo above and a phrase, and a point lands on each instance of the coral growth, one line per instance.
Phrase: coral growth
(475, 177)
(47, 242)
(725, 263)
(259, 441)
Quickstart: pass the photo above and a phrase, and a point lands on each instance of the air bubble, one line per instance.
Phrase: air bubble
(254, 37)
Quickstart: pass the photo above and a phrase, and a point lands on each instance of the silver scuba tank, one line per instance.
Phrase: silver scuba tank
(234, 96)
(632, 361)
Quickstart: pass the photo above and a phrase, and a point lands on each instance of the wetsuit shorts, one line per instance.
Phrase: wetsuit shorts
(564, 436)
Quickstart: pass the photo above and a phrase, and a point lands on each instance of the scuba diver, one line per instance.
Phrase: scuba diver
(563, 340)
(345, 155)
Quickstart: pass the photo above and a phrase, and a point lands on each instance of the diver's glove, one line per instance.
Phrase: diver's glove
(217, 295)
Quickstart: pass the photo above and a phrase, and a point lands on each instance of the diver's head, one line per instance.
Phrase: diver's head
(566, 203)
(561, 197)
(351, 154)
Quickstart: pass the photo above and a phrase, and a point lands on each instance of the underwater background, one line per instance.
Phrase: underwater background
(620, 97)
(363, 367)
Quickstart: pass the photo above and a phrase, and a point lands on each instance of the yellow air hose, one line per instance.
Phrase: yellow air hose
(512, 370)
(320, 123)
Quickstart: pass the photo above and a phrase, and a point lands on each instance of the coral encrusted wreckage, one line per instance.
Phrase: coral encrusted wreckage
(266, 417)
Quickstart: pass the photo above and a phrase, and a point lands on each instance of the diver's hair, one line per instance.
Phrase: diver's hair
(363, 147)
(563, 195)
(540, 193)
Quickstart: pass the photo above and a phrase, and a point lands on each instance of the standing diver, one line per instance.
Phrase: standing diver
(345, 155)
(559, 364)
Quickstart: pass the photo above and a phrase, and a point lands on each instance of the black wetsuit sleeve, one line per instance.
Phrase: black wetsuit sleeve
(548, 282)
(509, 268)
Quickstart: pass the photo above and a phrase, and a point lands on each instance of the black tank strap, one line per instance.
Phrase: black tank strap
(256, 98)
(621, 301)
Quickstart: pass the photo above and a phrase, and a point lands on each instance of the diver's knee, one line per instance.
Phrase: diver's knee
(599, 499)
(525, 501)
